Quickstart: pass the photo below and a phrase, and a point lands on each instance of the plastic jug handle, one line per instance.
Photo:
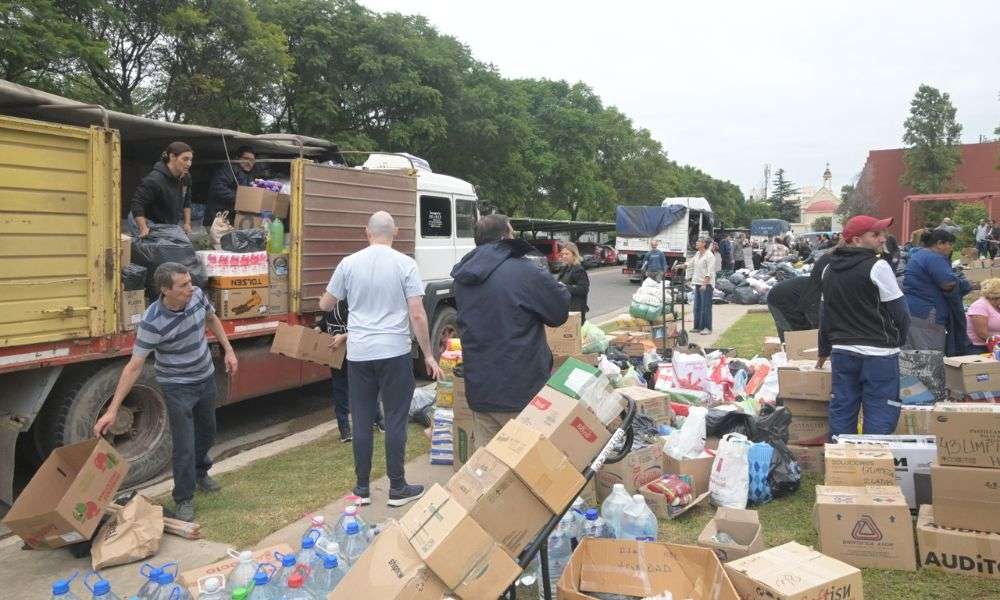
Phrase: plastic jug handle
(236, 554)
(309, 534)
(169, 565)
(86, 580)
(266, 568)
(146, 569)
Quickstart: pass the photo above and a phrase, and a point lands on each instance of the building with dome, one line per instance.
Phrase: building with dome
(815, 203)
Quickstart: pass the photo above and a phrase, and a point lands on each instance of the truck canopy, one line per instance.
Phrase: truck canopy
(646, 221)
(769, 227)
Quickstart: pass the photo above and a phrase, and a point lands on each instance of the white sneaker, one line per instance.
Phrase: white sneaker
(706, 332)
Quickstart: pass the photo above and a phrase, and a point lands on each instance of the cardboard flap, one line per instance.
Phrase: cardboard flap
(802, 345)
(960, 361)
(639, 569)
(791, 568)
(880, 495)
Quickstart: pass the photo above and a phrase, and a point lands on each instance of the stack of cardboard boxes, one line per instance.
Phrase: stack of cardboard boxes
(277, 284)
(959, 534)
(252, 202)
(239, 296)
(805, 391)
(133, 302)
(566, 341)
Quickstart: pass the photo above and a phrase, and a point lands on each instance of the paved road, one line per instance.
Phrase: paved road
(610, 291)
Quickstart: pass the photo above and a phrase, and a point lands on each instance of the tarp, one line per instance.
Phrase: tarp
(646, 221)
(769, 227)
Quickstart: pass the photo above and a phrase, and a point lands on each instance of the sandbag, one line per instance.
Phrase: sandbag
(133, 277)
(245, 240)
(166, 243)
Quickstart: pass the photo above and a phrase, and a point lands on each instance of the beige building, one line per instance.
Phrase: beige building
(819, 203)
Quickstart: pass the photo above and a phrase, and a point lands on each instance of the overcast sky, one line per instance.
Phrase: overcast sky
(730, 86)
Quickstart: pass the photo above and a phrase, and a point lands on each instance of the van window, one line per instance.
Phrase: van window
(465, 218)
(435, 217)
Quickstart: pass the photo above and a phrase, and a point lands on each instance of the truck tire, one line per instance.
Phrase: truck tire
(142, 433)
(445, 326)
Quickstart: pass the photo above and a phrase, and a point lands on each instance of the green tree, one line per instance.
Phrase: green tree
(932, 139)
(967, 215)
(822, 224)
(761, 210)
(781, 198)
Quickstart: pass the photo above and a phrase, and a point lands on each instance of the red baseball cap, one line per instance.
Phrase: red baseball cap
(862, 224)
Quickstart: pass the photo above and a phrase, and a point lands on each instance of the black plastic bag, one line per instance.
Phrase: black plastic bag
(771, 425)
(644, 429)
(134, 277)
(245, 240)
(785, 475)
(746, 295)
(720, 422)
(727, 287)
(166, 243)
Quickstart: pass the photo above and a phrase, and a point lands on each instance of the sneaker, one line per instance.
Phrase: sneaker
(184, 511)
(345, 435)
(380, 426)
(364, 495)
(207, 484)
(404, 496)
(706, 332)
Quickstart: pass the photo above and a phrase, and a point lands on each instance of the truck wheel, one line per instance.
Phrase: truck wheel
(445, 326)
(141, 434)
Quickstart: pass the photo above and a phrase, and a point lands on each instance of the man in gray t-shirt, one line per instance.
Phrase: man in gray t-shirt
(384, 290)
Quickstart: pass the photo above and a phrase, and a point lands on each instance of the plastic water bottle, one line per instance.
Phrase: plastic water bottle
(295, 589)
(638, 521)
(354, 544)
(212, 588)
(350, 515)
(276, 237)
(319, 522)
(287, 566)
(578, 511)
(242, 575)
(100, 589)
(307, 554)
(595, 526)
(263, 589)
(149, 589)
(326, 577)
(559, 554)
(169, 589)
(60, 588)
(613, 507)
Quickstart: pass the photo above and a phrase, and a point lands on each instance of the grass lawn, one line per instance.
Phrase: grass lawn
(747, 334)
(267, 495)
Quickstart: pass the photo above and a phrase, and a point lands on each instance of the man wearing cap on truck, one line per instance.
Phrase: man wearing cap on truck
(174, 328)
(863, 323)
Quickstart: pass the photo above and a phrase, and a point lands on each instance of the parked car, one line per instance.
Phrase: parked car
(591, 253)
(610, 255)
(550, 250)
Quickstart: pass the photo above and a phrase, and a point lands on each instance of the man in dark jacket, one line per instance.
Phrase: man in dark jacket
(863, 323)
(504, 303)
(222, 189)
(794, 303)
(164, 195)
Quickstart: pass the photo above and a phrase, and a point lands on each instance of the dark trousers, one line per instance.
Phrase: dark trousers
(702, 307)
(191, 411)
(869, 382)
(339, 384)
(392, 378)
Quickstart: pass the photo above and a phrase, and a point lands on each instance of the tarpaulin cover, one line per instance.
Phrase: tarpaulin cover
(769, 227)
(646, 221)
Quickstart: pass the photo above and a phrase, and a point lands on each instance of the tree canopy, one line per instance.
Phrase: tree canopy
(336, 70)
(781, 200)
(932, 137)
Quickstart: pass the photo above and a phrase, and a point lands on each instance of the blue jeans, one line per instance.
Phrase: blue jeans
(702, 307)
(191, 412)
(983, 247)
(871, 382)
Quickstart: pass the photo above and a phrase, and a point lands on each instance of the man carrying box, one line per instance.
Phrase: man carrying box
(222, 190)
(863, 323)
(174, 328)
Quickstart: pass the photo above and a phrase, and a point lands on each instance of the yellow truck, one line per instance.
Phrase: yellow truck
(67, 173)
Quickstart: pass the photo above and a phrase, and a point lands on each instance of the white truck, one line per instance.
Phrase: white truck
(686, 219)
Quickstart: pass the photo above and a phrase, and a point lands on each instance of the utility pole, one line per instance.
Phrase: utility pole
(767, 179)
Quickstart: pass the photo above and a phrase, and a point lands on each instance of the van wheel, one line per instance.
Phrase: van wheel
(445, 327)
(141, 433)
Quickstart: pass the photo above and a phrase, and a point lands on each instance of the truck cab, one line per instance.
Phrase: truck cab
(692, 218)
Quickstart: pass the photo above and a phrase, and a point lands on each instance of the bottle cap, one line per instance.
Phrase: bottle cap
(246, 556)
(618, 486)
(287, 560)
(260, 578)
(592, 514)
(318, 520)
(296, 581)
(101, 587)
(351, 510)
(60, 587)
(165, 578)
(240, 593)
(330, 561)
(352, 528)
(212, 584)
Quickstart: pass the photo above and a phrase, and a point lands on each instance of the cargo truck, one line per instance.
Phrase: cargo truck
(676, 224)
(67, 173)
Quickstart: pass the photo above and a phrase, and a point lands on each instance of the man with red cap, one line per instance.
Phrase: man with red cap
(863, 323)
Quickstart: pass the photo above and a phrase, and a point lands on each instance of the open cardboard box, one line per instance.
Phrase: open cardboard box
(189, 578)
(794, 572)
(742, 525)
(644, 569)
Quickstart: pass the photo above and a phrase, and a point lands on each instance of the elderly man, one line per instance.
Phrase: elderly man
(384, 290)
(174, 328)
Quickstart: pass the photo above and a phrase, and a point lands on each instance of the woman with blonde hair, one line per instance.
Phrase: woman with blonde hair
(575, 278)
(983, 316)
(702, 275)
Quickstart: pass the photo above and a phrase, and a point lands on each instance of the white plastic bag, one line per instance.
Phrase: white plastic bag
(609, 368)
(220, 227)
(730, 479)
(691, 371)
(689, 442)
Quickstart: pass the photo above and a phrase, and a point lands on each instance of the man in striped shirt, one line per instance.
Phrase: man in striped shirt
(173, 328)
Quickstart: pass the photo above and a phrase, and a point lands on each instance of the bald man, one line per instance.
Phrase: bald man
(385, 293)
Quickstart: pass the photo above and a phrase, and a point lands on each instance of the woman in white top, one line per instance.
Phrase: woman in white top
(702, 273)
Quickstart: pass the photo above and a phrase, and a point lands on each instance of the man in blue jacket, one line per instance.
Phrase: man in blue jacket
(656, 261)
(504, 303)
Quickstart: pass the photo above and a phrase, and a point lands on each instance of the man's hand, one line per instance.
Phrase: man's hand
(433, 369)
(143, 230)
(338, 340)
(187, 228)
(820, 362)
(105, 422)
(231, 362)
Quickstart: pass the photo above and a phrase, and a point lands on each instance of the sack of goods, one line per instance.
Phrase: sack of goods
(166, 243)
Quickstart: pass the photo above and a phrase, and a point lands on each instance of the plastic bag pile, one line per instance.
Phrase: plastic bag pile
(747, 286)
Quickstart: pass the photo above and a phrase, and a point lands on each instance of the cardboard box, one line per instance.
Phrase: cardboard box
(975, 373)
(462, 425)
(133, 305)
(772, 345)
(238, 282)
(390, 569)
(914, 420)
(810, 458)
(961, 552)
(805, 382)
(277, 298)
(559, 360)
(639, 467)
(277, 267)
(911, 455)
(650, 403)
(568, 424)
(966, 497)
(239, 304)
(657, 502)
(248, 220)
(644, 569)
(125, 250)
(304, 343)
(455, 547)
(257, 200)
(858, 464)
(794, 572)
(189, 578)
(808, 431)
(967, 434)
(742, 525)
(700, 469)
(865, 526)
(491, 492)
(65, 499)
(802, 345)
(572, 377)
(546, 471)
(566, 339)
(807, 408)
